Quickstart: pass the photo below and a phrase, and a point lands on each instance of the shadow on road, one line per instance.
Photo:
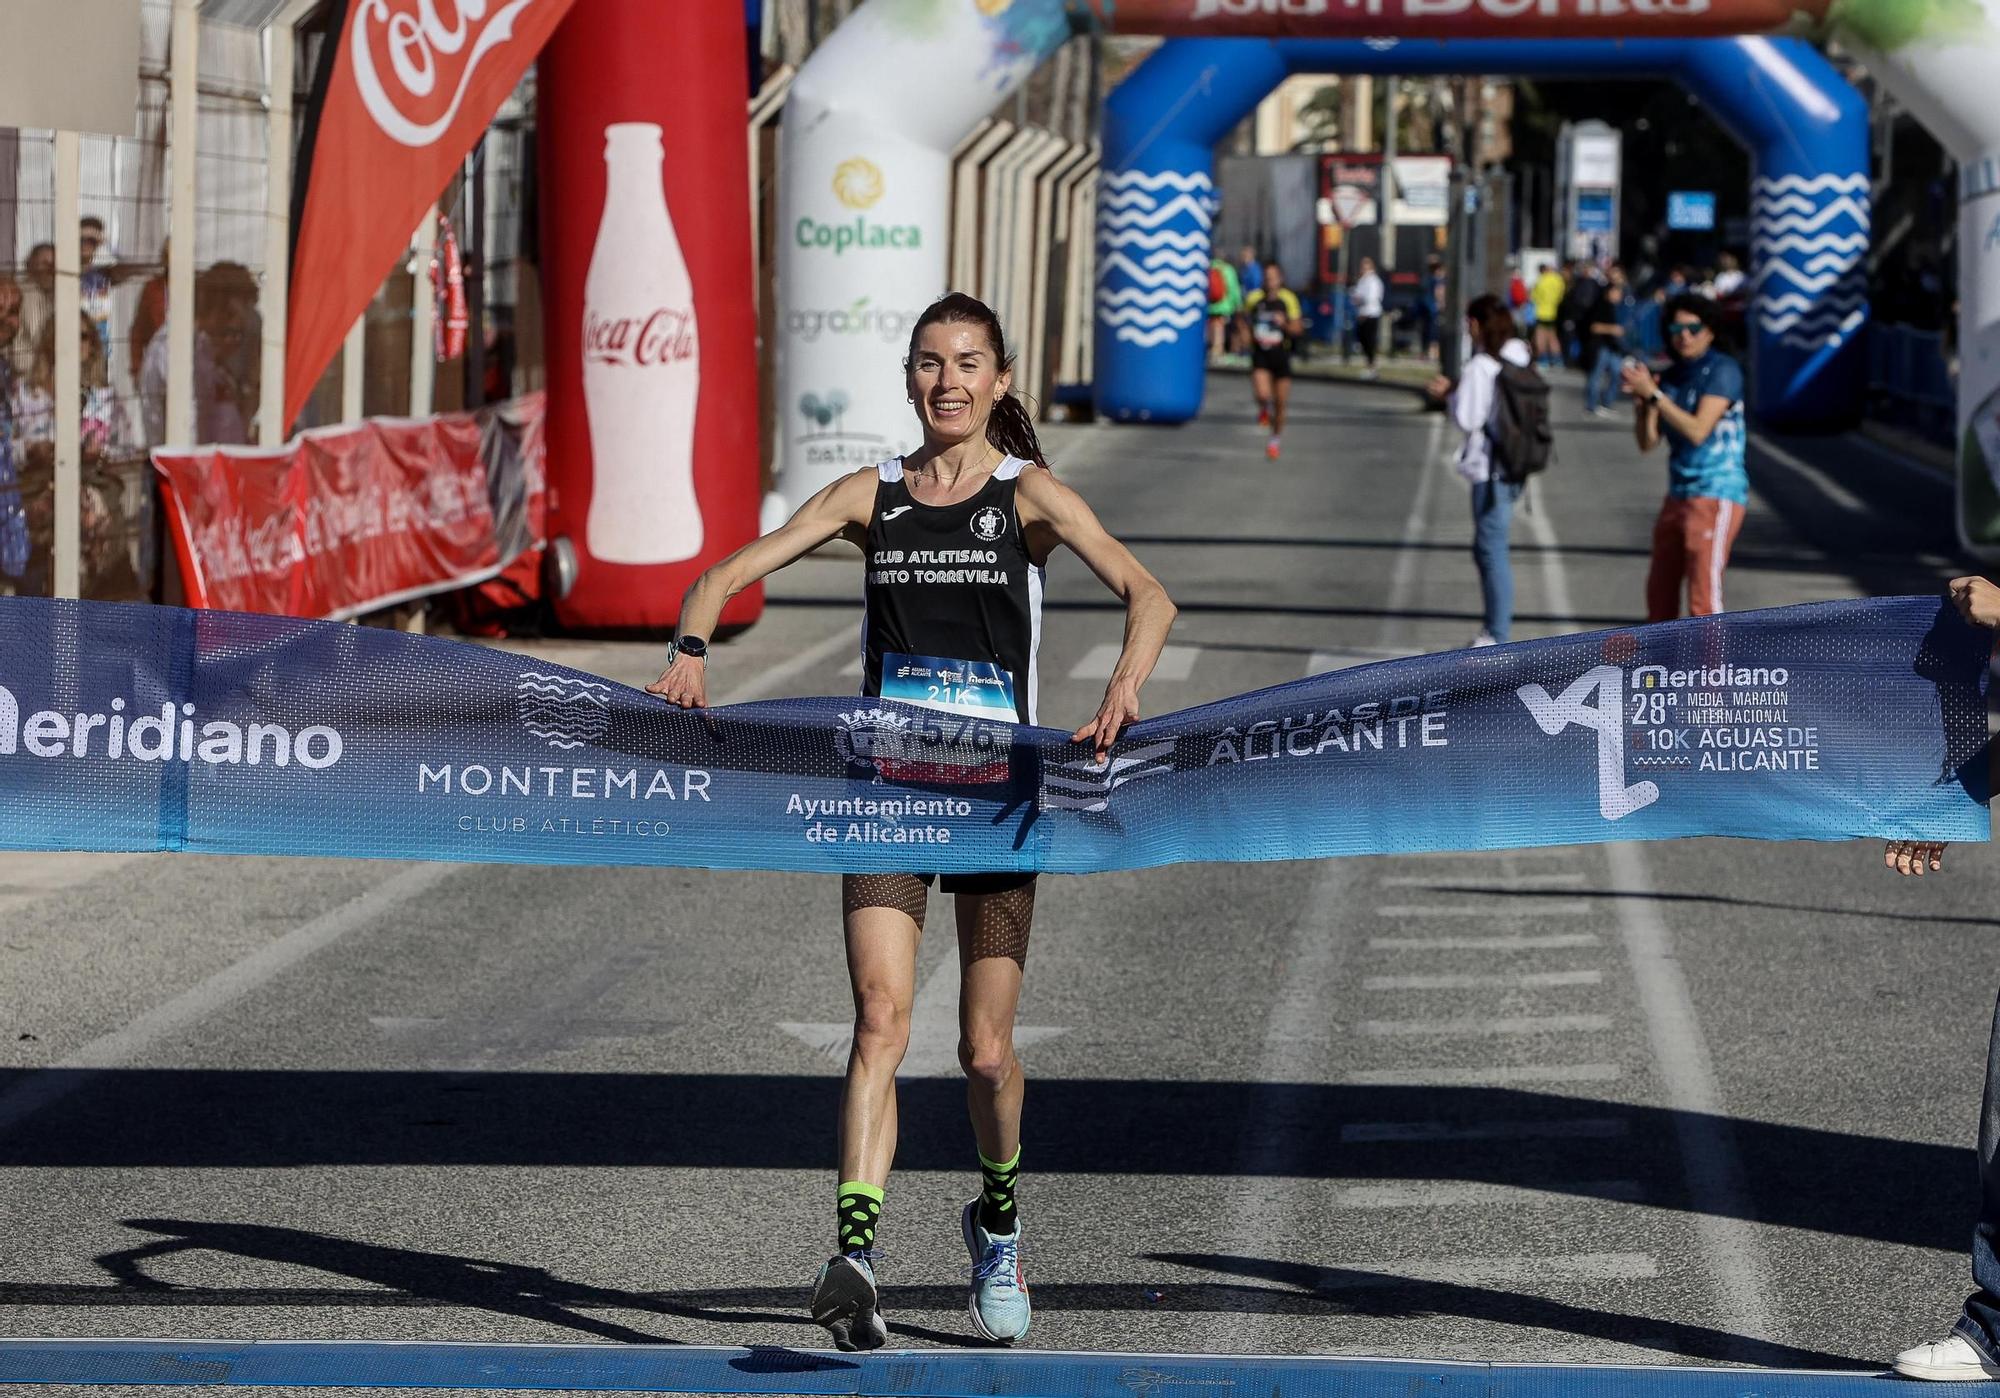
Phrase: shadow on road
(223, 1119)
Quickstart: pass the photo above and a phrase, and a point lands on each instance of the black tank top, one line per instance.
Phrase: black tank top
(954, 603)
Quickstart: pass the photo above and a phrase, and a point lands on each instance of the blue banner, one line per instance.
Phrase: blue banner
(153, 728)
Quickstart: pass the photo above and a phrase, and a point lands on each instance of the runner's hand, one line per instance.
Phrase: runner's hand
(1977, 600)
(1917, 857)
(1120, 707)
(685, 683)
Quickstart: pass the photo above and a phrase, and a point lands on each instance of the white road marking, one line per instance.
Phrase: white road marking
(1545, 852)
(1446, 885)
(1493, 1271)
(1452, 1194)
(933, 1050)
(1321, 662)
(1722, 1213)
(1526, 980)
(855, 668)
(1549, 942)
(1833, 489)
(219, 991)
(1473, 1027)
(1589, 1128)
(1497, 1075)
(1497, 914)
(1176, 662)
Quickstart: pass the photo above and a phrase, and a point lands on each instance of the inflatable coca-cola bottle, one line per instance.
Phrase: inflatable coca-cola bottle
(641, 364)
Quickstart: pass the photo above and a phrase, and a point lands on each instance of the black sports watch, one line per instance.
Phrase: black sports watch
(694, 647)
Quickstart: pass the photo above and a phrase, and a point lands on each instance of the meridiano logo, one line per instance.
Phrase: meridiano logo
(168, 736)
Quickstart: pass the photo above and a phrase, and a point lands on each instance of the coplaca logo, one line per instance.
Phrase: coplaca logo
(857, 183)
(564, 711)
(430, 62)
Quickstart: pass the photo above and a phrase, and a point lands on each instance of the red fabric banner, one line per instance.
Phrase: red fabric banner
(350, 519)
(410, 87)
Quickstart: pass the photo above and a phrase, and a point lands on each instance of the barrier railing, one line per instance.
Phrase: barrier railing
(1910, 381)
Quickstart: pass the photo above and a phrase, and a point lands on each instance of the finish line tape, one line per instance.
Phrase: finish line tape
(154, 728)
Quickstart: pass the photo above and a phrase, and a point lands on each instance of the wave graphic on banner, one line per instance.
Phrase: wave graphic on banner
(1809, 254)
(1152, 279)
(153, 728)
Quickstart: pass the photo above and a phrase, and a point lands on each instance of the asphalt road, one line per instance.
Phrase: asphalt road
(1690, 1102)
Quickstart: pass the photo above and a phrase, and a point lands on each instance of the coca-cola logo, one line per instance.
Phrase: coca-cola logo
(430, 60)
(666, 336)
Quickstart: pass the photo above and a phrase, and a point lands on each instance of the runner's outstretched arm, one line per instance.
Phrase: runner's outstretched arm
(838, 509)
(1149, 612)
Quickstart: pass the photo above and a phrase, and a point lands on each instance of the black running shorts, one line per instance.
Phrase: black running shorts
(1275, 362)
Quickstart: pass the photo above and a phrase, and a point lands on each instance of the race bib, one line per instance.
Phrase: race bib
(977, 687)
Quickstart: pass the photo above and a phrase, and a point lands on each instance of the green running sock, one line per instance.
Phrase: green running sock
(859, 1212)
(996, 1199)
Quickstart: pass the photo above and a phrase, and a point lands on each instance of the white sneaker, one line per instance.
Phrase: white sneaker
(1484, 638)
(1952, 1358)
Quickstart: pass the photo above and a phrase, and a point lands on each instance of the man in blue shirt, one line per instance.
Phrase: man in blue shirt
(1697, 409)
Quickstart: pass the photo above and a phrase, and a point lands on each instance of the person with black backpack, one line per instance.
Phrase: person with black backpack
(1502, 406)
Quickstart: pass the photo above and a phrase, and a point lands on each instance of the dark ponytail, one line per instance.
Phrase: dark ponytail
(1009, 426)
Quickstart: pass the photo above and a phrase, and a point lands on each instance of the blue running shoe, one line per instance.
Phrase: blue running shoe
(846, 1301)
(999, 1306)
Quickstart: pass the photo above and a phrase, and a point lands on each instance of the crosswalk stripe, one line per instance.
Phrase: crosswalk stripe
(1546, 942)
(1589, 1128)
(1526, 980)
(1460, 910)
(1447, 884)
(1467, 1027)
(1493, 1271)
(1451, 1194)
(1495, 1075)
(1175, 663)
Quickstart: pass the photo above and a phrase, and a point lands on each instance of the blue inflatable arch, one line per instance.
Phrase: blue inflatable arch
(1805, 126)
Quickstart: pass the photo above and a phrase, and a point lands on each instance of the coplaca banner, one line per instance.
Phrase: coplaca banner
(127, 727)
(864, 215)
(346, 520)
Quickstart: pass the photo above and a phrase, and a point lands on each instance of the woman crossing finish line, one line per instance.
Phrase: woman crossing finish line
(955, 537)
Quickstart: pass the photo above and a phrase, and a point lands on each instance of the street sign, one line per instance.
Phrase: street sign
(1420, 190)
(1352, 205)
(1594, 213)
(1691, 209)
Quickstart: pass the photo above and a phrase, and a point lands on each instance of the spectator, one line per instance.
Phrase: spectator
(38, 304)
(1579, 299)
(1698, 409)
(1225, 298)
(13, 517)
(218, 410)
(1728, 276)
(1368, 292)
(1606, 347)
(151, 314)
(35, 399)
(94, 286)
(1470, 401)
(1546, 297)
(1249, 271)
(1430, 305)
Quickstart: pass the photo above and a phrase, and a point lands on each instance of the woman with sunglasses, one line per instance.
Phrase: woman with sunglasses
(1697, 408)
